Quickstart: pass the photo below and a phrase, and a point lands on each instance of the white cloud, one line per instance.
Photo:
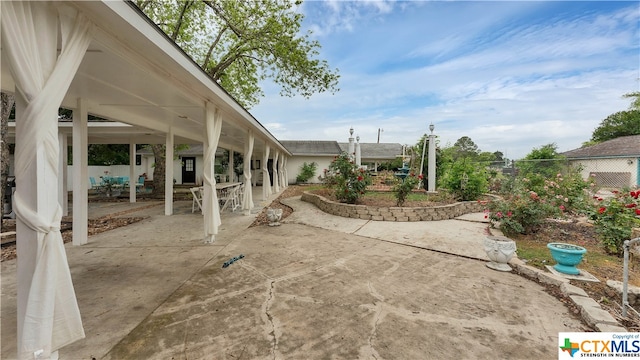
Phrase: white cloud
(509, 82)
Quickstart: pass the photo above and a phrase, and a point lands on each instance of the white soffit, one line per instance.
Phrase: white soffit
(133, 74)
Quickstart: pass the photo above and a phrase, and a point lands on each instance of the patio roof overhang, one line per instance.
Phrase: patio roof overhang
(134, 74)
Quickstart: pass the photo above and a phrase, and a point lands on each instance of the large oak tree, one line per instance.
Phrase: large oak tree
(240, 43)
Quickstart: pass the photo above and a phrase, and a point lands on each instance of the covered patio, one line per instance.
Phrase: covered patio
(107, 59)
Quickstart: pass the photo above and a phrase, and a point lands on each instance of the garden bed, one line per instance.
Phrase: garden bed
(379, 207)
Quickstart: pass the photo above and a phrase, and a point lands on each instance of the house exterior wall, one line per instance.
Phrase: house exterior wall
(97, 171)
(294, 164)
(611, 165)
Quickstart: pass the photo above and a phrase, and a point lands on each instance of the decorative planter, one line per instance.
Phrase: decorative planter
(567, 257)
(274, 216)
(500, 250)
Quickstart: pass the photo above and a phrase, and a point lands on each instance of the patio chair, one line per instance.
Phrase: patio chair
(125, 182)
(119, 182)
(94, 184)
(140, 183)
(197, 193)
(229, 198)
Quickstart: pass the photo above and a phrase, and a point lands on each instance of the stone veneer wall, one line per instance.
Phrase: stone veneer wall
(382, 213)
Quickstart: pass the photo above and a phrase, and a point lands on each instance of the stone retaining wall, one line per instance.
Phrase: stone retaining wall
(380, 213)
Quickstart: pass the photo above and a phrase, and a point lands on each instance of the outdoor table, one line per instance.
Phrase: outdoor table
(229, 194)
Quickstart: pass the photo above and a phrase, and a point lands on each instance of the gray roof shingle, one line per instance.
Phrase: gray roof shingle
(312, 147)
(376, 150)
(621, 146)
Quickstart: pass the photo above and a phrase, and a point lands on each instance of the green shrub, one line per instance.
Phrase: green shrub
(465, 180)
(307, 171)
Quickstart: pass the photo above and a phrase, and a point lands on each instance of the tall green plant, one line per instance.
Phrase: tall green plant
(307, 171)
(466, 180)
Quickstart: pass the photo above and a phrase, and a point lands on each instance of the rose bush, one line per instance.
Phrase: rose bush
(525, 208)
(614, 217)
(404, 188)
(346, 178)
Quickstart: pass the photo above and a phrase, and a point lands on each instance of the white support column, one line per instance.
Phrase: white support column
(358, 152)
(80, 174)
(266, 185)
(431, 185)
(247, 195)
(63, 193)
(133, 180)
(351, 148)
(230, 172)
(47, 316)
(285, 172)
(168, 175)
(281, 172)
(276, 173)
(26, 244)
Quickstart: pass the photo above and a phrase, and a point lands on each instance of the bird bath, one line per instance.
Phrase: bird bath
(404, 172)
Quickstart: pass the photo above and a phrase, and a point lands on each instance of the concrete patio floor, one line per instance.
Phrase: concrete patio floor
(318, 286)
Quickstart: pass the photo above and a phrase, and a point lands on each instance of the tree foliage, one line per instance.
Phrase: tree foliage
(7, 107)
(108, 154)
(622, 123)
(635, 103)
(240, 43)
(465, 148)
(465, 179)
(540, 164)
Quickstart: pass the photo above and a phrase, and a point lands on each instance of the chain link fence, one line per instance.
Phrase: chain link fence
(608, 173)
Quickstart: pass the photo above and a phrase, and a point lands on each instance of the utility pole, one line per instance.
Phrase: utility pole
(379, 131)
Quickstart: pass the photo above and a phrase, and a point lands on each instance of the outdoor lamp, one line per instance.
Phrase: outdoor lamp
(431, 127)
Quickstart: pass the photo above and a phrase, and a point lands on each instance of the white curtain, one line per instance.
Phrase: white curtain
(282, 177)
(210, 206)
(276, 173)
(286, 172)
(29, 40)
(266, 183)
(247, 196)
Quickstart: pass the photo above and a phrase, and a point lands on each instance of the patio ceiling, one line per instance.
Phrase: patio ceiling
(133, 74)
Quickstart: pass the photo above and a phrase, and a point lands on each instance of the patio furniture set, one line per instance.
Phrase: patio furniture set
(229, 196)
(111, 185)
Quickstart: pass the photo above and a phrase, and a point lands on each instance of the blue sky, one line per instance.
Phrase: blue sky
(511, 75)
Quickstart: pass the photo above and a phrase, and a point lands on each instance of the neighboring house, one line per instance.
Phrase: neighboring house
(320, 152)
(323, 152)
(613, 163)
(376, 153)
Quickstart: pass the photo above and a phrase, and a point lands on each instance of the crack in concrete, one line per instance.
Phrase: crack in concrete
(269, 321)
(376, 320)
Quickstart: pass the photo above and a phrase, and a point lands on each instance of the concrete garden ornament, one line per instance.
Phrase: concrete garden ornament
(500, 250)
(274, 216)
